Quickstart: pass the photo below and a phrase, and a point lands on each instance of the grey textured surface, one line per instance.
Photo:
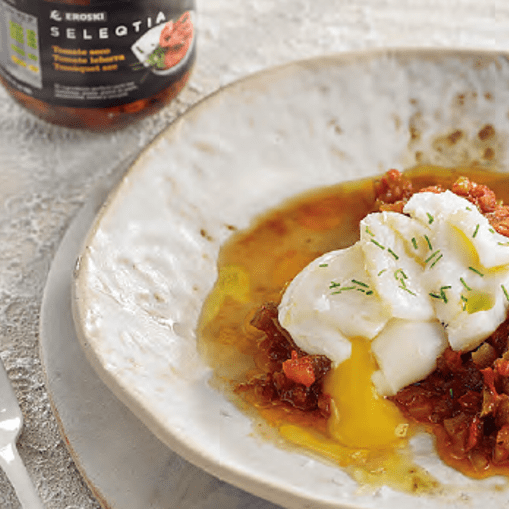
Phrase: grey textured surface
(47, 173)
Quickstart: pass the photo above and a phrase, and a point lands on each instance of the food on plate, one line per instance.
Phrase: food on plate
(355, 316)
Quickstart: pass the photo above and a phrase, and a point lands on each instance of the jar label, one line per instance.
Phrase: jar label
(103, 54)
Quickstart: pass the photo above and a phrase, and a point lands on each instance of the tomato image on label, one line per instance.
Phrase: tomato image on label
(99, 64)
(165, 47)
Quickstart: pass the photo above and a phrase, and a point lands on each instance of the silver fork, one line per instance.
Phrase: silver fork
(11, 422)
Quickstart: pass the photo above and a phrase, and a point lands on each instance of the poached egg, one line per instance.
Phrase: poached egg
(415, 283)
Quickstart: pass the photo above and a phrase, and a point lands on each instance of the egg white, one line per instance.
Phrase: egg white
(404, 342)
(396, 276)
(326, 303)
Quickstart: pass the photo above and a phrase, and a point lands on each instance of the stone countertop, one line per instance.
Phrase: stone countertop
(47, 173)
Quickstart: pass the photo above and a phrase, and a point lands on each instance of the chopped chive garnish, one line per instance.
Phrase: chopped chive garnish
(377, 244)
(476, 271)
(505, 292)
(344, 289)
(451, 393)
(464, 284)
(430, 257)
(465, 300)
(402, 272)
(430, 218)
(475, 232)
(369, 232)
(491, 230)
(414, 242)
(503, 243)
(360, 287)
(323, 265)
(468, 208)
(381, 272)
(442, 293)
(390, 251)
(428, 242)
(436, 260)
(407, 290)
(400, 276)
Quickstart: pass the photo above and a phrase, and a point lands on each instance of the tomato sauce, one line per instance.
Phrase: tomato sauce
(464, 402)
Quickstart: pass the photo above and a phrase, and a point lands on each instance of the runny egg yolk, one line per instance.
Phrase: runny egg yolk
(360, 417)
(362, 422)
(367, 433)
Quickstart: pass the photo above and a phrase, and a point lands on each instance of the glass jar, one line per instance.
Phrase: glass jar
(96, 64)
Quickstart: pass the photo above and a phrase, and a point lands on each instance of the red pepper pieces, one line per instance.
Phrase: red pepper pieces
(300, 370)
(502, 367)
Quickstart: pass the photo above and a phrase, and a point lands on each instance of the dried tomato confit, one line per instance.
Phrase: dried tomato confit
(464, 402)
(293, 378)
(393, 190)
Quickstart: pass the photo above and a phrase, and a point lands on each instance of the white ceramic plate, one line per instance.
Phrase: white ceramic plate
(150, 259)
(123, 463)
